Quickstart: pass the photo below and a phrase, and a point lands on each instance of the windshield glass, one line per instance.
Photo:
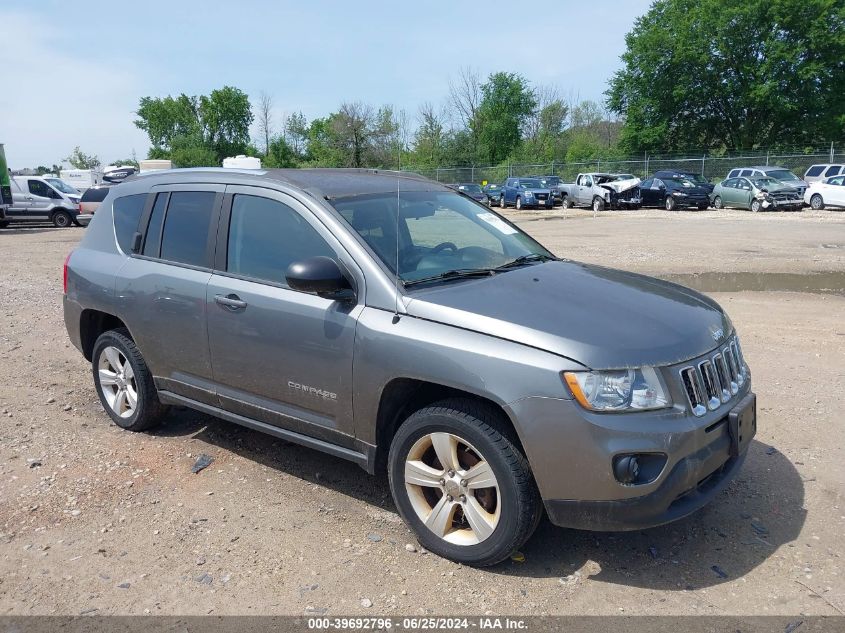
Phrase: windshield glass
(679, 182)
(439, 231)
(529, 183)
(763, 183)
(782, 175)
(551, 180)
(470, 188)
(62, 186)
(619, 177)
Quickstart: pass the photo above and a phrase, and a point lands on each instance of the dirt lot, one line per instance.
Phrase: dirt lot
(98, 520)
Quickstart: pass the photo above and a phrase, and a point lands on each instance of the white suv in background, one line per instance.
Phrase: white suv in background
(819, 172)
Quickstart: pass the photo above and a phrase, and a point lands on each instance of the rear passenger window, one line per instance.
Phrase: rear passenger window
(185, 236)
(153, 240)
(266, 236)
(832, 171)
(745, 172)
(734, 173)
(815, 170)
(127, 213)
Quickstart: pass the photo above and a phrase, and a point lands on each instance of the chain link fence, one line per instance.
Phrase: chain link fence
(714, 168)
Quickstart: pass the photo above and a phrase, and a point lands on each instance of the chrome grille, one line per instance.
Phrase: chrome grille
(714, 380)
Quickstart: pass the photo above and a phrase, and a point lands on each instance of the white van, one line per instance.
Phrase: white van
(822, 171)
(81, 178)
(38, 199)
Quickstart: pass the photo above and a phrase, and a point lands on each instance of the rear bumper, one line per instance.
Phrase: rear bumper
(84, 218)
(673, 500)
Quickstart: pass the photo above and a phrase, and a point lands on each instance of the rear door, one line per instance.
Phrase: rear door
(280, 356)
(163, 286)
(834, 191)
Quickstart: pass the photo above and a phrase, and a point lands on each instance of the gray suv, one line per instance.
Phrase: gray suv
(391, 321)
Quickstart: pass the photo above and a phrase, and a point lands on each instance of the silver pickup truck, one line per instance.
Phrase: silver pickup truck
(601, 191)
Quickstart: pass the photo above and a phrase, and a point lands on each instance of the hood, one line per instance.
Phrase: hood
(600, 317)
(781, 189)
(696, 192)
(621, 185)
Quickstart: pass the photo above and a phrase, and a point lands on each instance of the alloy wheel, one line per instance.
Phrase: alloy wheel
(452, 488)
(117, 380)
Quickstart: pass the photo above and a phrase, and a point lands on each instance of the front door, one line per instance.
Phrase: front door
(585, 190)
(280, 356)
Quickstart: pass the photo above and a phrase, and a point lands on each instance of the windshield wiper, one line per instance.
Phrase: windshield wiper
(458, 273)
(526, 259)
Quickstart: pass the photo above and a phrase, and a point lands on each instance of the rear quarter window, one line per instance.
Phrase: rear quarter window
(95, 194)
(127, 213)
(832, 171)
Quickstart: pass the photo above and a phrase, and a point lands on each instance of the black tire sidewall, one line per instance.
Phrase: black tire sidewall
(114, 339)
(492, 549)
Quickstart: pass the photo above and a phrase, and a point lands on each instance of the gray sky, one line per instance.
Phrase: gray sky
(74, 71)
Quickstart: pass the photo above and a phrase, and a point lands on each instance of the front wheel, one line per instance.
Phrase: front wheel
(565, 203)
(502, 203)
(61, 219)
(4, 224)
(124, 382)
(463, 486)
(755, 206)
(671, 204)
(519, 203)
(816, 202)
(717, 203)
(598, 204)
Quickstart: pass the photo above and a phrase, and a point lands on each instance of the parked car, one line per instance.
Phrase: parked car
(829, 192)
(472, 190)
(756, 194)
(553, 184)
(819, 172)
(692, 176)
(765, 171)
(489, 378)
(90, 202)
(492, 191)
(674, 193)
(600, 190)
(40, 200)
(525, 193)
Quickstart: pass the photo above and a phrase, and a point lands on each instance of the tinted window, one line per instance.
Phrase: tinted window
(266, 236)
(815, 170)
(646, 184)
(836, 181)
(38, 188)
(734, 173)
(185, 235)
(153, 238)
(127, 213)
(746, 172)
(95, 194)
(832, 171)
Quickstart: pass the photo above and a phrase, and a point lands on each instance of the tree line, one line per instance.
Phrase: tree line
(696, 75)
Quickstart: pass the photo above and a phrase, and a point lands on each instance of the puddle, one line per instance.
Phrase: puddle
(817, 283)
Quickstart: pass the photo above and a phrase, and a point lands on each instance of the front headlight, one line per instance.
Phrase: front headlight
(624, 390)
(680, 194)
(529, 194)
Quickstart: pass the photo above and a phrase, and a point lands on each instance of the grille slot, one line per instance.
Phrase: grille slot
(714, 381)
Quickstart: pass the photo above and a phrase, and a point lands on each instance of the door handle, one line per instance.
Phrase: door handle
(230, 302)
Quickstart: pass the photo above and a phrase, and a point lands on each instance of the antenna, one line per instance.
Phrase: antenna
(396, 298)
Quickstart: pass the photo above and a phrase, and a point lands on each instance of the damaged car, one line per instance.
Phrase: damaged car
(601, 191)
(756, 194)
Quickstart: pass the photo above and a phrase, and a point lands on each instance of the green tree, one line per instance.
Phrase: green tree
(80, 160)
(757, 73)
(430, 138)
(506, 104)
(296, 134)
(225, 116)
(280, 153)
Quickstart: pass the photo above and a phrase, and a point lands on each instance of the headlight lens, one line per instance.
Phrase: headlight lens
(680, 194)
(624, 390)
(529, 194)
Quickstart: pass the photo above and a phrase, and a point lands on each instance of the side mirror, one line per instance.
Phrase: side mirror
(321, 276)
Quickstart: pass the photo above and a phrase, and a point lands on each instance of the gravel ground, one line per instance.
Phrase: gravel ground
(98, 520)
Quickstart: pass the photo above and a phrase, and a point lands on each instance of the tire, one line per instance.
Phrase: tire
(598, 204)
(61, 219)
(755, 206)
(817, 202)
(717, 202)
(518, 205)
(478, 436)
(565, 203)
(502, 203)
(702, 207)
(115, 353)
(670, 203)
(4, 224)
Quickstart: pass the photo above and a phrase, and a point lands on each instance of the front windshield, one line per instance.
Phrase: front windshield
(62, 186)
(470, 188)
(439, 232)
(679, 182)
(529, 183)
(551, 180)
(782, 175)
(762, 183)
(619, 177)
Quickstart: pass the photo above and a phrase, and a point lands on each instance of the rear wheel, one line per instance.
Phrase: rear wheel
(598, 204)
(461, 484)
(717, 202)
(61, 219)
(817, 202)
(124, 382)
